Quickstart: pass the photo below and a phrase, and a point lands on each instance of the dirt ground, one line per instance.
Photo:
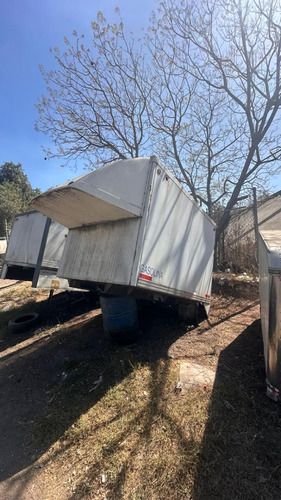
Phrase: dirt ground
(32, 363)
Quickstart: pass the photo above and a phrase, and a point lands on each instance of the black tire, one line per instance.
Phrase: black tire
(188, 313)
(23, 322)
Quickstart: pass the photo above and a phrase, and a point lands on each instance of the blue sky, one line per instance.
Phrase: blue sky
(28, 29)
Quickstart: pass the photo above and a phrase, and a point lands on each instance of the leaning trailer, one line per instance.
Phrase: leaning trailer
(270, 301)
(34, 250)
(134, 231)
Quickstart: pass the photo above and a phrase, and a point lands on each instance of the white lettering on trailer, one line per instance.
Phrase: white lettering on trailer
(151, 271)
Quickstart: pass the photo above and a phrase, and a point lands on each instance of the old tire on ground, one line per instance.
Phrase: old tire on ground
(23, 322)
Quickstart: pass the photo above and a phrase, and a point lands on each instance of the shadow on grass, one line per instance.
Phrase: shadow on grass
(46, 385)
(63, 307)
(241, 448)
(52, 384)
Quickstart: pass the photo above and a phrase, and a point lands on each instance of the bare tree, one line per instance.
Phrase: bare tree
(203, 92)
(186, 122)
(96, 103)
(232, 48)
(168, 113)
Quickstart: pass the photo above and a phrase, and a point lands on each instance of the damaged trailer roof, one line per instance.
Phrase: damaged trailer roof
(112, 192)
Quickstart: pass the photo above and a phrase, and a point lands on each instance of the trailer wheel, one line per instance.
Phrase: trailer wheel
(23, 322)
(188, 313)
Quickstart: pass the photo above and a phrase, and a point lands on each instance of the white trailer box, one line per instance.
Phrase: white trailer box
(34, 250)
(270, 299)
(133, 230)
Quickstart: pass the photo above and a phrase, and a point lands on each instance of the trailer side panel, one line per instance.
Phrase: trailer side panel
(25, 239)
(177, 255)
(101, 253)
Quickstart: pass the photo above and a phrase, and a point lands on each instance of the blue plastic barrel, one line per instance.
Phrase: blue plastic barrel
(120, 318)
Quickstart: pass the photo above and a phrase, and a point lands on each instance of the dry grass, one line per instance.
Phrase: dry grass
(139, 440)
(114, 427)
